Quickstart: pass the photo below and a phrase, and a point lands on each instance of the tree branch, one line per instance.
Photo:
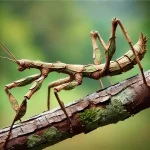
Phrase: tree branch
(103, 107)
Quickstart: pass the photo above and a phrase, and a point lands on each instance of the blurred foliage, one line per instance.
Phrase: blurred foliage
(51, 31)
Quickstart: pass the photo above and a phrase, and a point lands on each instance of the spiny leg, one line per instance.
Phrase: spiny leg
(54, 84)
(97, 55)
(67, 86)
(22, 109)
(132, 48)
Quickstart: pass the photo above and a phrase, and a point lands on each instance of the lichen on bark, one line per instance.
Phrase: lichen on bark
(96, 117)
(49, 137)
(34, 141)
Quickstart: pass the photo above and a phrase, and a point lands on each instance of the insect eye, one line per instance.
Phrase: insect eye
(22, 62)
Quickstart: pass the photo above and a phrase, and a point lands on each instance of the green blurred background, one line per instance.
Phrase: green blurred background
(51, 31)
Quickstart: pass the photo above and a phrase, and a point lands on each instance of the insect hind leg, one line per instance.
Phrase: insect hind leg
(133, 50)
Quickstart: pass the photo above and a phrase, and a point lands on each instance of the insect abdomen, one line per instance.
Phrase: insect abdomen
(127, 61)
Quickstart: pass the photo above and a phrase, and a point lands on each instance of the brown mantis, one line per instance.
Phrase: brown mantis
(75, 72)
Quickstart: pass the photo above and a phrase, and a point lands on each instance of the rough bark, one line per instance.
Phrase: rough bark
(110, 105)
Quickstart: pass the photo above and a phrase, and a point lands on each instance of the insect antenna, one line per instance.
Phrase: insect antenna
(8, 52)
(7, 58)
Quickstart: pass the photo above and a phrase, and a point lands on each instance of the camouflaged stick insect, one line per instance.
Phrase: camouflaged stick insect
(75, 72)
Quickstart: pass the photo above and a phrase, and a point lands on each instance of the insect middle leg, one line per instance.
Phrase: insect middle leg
(67, 86)
(54, 84)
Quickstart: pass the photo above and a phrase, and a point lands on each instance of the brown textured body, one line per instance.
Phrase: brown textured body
(116, 67)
